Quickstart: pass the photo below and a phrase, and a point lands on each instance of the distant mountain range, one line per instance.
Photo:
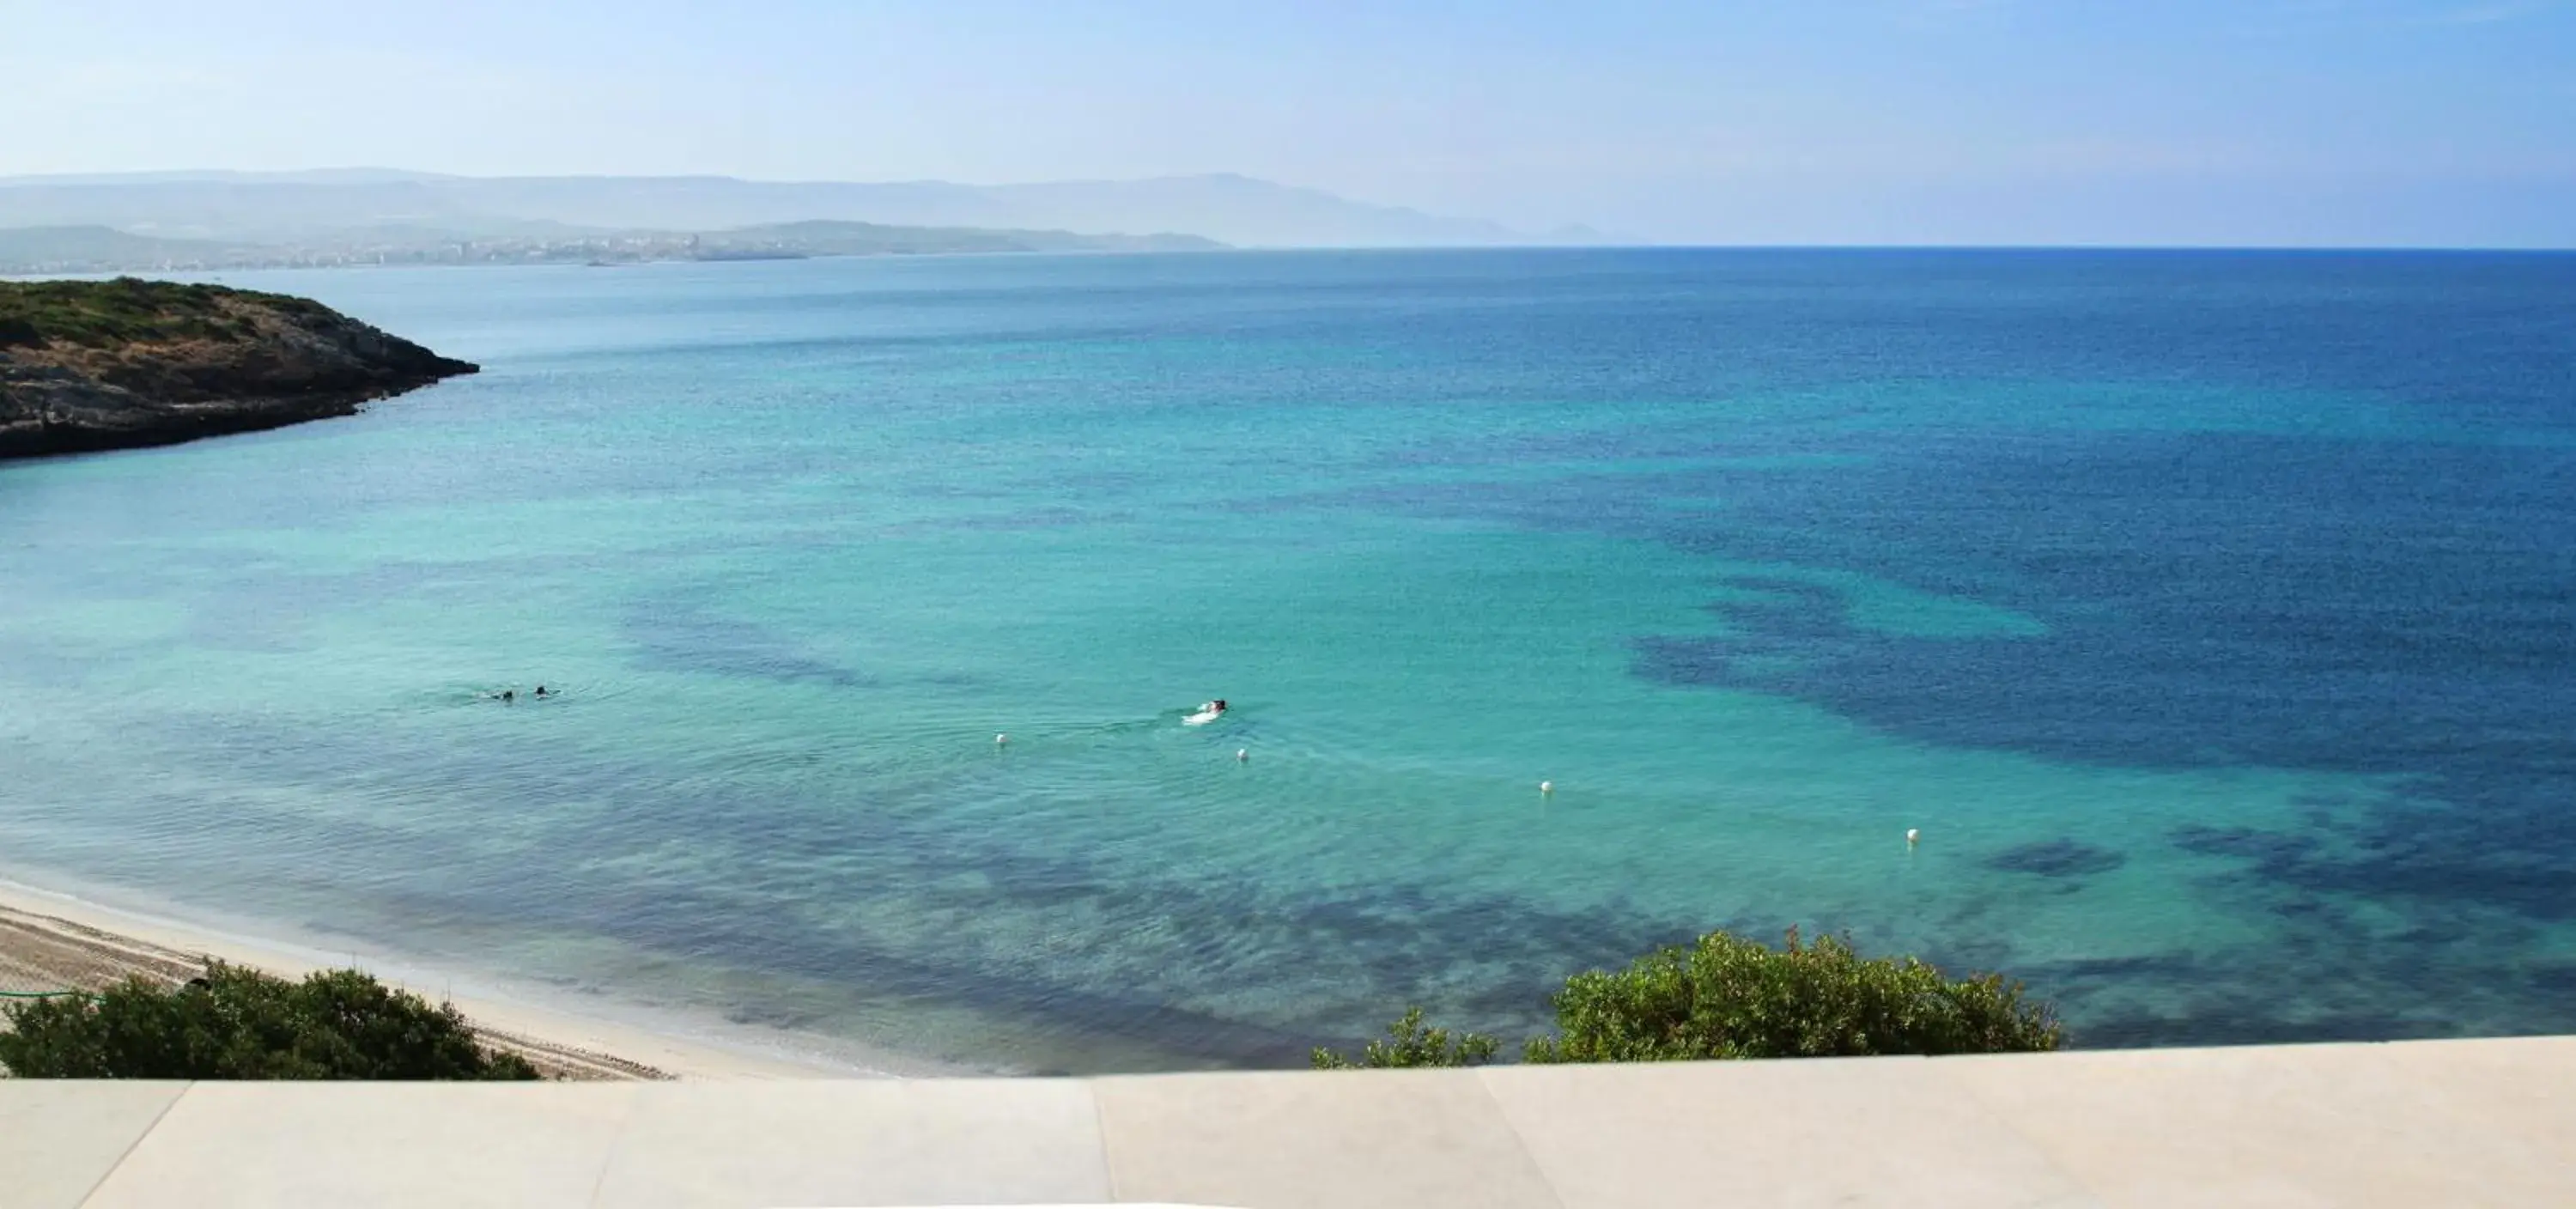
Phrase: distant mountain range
(99, 249)
(345, 205)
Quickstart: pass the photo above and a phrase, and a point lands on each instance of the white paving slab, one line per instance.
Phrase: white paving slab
(886, 1142)
(377, 1144)
(1341, 1139)
(2519, 1087)
(2419, 1124)
(58, 1139)
(1875, 1131)
(2314, 1125)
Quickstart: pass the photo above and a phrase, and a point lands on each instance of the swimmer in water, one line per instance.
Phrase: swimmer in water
(509, 694)
(541, 690)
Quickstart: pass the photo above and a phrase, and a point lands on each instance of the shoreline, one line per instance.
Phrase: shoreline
(44, 925)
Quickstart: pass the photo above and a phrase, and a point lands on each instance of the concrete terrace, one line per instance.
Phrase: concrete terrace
(2449, 1123)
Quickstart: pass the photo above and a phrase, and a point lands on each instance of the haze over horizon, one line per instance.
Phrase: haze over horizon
(2280, 122)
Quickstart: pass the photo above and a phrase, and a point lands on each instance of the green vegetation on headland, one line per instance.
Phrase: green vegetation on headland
(92, 365)
(96, 314)
(242, 1024)
(1728, 997)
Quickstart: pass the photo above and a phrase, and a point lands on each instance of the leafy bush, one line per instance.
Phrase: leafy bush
(242, 1024)
(1410, 1044)
(1728, 997)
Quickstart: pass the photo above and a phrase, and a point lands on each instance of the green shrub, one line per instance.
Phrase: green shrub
(242, 1024)
(1410, 1044)
(1728, 997)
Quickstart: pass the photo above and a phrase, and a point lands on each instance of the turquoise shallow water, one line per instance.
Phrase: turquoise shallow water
(2209, 614)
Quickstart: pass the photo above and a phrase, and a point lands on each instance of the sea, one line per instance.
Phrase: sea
(2209, 617)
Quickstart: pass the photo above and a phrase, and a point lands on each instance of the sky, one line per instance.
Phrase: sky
(2298, 122)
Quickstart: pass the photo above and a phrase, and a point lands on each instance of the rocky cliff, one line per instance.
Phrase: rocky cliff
(91, 365)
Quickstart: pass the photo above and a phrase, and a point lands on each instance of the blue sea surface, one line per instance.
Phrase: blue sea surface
(2212, 616)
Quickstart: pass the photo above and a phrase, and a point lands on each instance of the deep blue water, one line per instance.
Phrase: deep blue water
(2212, 614)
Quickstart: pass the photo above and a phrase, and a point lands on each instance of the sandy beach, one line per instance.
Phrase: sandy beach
(51, 940)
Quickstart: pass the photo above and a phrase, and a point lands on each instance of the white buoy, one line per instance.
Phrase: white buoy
(999, 740)
(1912, 836)
(1547, 787)
(1242, 754)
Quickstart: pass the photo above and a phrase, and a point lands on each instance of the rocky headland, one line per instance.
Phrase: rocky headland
(96, 365)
